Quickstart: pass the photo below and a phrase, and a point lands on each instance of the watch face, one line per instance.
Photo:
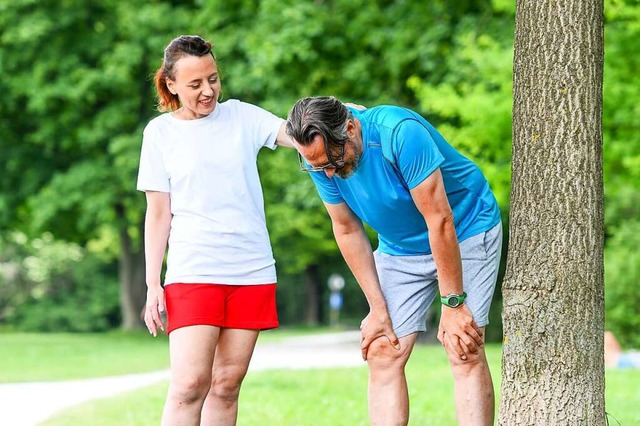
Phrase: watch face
(454, 301)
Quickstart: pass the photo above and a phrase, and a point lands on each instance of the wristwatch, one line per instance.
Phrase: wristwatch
(453, 300)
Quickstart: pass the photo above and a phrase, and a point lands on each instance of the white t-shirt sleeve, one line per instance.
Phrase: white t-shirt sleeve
(264, 124)
(152, 174)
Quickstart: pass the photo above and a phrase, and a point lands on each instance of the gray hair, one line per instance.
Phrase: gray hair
(319, 115)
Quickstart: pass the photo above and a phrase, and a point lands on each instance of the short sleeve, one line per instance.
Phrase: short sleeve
(415, 152)
(326, 188)
(265, 125)
(152, 174)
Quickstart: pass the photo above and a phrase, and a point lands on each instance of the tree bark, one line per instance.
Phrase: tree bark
(132, 284)
(312, 295)
(131, 264)
(553, 291)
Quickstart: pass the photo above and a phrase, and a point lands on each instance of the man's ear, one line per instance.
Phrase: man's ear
(351, 128)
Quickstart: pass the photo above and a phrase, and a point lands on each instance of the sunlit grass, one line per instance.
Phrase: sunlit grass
(57, 356)
(327, 397)
(330, 397)
(28, 357)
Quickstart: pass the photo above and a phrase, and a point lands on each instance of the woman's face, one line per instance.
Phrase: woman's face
(197, 84)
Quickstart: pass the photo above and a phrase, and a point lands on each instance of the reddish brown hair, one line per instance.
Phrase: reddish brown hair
(178, 48)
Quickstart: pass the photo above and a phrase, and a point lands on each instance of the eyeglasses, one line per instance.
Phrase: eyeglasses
(330, 165)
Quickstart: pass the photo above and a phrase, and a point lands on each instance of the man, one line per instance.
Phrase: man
(439, 230)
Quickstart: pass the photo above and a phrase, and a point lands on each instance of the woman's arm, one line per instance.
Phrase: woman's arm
(156, 234)
(283, 139)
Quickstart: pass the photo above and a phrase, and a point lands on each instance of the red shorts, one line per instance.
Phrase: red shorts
(226, 306)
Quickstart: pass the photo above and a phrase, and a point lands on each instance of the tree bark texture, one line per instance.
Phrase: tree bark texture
(313, 289)
(133, 291)
(553, 291)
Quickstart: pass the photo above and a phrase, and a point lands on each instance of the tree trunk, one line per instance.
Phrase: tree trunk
(313, 290)
(553, 292)
(131, 266)
(133, 291)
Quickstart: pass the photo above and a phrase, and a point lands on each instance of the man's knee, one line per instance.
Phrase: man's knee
(382, 354)
(465, 367)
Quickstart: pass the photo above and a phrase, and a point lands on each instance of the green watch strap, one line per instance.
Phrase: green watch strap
(453, 300)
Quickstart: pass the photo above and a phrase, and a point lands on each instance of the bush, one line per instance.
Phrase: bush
(622, 275)
(57, 286)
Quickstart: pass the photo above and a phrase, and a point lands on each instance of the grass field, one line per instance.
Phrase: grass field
(329, 397)
(51, 357)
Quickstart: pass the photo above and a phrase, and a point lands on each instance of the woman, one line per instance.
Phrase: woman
(198, 170)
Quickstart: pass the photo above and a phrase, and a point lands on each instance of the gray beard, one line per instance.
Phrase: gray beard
(354, 166)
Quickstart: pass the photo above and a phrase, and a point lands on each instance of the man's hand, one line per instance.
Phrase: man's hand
(373, 326)
(458, 330)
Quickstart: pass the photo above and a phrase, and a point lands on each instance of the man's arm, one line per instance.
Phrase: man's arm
(356, 250)
(456, 324)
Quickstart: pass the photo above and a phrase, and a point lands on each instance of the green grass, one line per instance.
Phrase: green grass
(622, 396)
(336, 397)
(29, 357)
(329, 397)
(50, 357)
(281, 333)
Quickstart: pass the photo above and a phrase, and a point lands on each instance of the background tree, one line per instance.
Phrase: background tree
(77, 92)
(553, 369)
(362, 52)
(622, 170)
(77, 102)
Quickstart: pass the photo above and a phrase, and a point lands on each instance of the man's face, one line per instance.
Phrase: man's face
(345, 159)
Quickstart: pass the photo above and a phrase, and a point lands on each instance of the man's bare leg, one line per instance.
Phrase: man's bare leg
(388, 393)
(473, 387)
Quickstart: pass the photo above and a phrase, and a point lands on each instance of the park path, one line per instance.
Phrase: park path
(28, 404)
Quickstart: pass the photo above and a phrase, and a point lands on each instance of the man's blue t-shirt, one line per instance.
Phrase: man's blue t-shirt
(400, 150)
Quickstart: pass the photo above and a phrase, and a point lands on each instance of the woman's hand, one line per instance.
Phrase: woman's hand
(154, 309)
(356, 106)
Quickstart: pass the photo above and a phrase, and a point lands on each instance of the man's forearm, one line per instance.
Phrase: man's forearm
(356, 250)
(446, 253)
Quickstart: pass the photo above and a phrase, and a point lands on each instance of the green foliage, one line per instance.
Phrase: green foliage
(473, 105)
(78, 93)
(49, 285)
(87, 302)
(622, 271)
(79, 96)
(622, 169)
(621, 111)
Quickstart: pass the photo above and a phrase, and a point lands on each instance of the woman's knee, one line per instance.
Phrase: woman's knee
(226, 383)
(189, 389)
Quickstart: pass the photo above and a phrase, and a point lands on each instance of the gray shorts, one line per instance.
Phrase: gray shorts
(409, 283)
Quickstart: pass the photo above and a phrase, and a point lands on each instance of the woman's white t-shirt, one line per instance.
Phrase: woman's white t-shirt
(209, 168)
